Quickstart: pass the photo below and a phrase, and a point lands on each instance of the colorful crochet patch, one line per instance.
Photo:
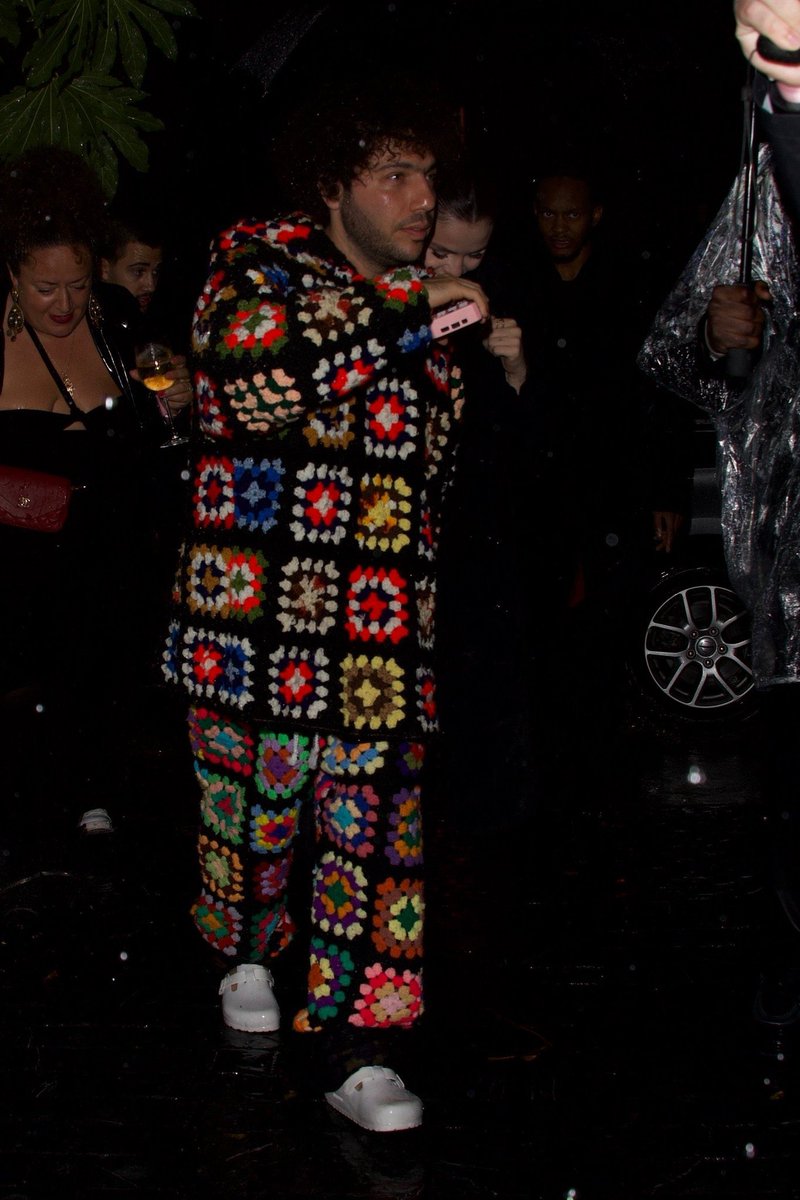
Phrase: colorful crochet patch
(270, 879)
(384, 517)
(170, 657)
(347, 814)
(330, 974)
(217, 666)
(411, 759)
(387, 997)
(340, 897)
(331, 427)
(298, 683)
(343, 372)
(322, 503)
(426, 700)
(426, 610)
(222, 805)
(438, 436)
(377, 605)
(404, 840)
(257, 326)
(271, 931)
(221, 869)
(226, 583)
(220, 924)
(218, 740)
(340, 758)
(309, 596)
(399, 288)
(392, 421)
(237, 493)
(266, 400)
(372, 692)
(328, 314)
(273, 831)
(427, 541)
(257, 485)
(398, 918)
(212, 421)
(283, 762)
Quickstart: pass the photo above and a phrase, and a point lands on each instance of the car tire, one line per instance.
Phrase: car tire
(690, 650)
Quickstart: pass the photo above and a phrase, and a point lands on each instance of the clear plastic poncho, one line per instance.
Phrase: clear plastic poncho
(757, 424)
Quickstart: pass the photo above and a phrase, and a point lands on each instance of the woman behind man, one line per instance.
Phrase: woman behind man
(72, 602)
(485, 615)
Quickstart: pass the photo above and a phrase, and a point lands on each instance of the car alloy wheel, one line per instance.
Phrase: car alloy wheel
(697, 644)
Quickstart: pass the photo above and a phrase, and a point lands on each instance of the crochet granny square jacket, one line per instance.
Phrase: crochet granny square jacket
(324, 447)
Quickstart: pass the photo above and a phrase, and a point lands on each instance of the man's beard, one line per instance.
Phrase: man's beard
(371, 242)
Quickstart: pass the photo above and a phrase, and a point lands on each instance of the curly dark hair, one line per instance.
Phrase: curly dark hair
(49, 196)
(335, 136)
(131, 222)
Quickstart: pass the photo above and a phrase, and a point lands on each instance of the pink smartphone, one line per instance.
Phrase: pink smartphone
(454, 316)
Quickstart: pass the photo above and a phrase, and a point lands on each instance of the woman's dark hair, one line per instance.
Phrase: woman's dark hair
(49, 196)
(334, 137)
(467, 191)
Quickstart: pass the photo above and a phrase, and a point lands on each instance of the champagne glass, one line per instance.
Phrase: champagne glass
(153, 360)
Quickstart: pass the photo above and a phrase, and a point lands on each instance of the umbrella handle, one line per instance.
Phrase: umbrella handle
(777, 54)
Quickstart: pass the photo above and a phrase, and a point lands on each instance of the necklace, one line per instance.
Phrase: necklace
(64, 371)
(59, 374)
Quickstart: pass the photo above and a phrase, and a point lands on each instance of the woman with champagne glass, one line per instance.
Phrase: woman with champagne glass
(70, 405)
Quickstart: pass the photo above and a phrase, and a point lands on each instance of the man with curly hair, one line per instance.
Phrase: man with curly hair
(303, 632)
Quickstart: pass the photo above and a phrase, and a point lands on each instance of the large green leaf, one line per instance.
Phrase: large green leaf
(27, 117)
(67, 28)
(74, 33)
(94, 115)
(105, 49)
(131, 18)
(159, 29)
(73, 52)
(132, 47)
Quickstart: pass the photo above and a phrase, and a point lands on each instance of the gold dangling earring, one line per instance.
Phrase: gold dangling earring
(95, 312)
(16, 319)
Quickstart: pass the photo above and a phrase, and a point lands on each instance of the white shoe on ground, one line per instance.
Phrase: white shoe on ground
(96, 820)
(248, 1001)
(375, 1098)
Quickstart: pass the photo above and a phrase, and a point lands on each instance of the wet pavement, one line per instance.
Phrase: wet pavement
(597, 923)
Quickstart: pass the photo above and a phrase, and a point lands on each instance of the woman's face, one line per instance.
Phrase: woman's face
(54, 285)
(457, 246)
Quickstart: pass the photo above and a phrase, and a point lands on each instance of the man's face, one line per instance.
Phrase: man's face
(565, 216)
(136, 269)
(383, 219)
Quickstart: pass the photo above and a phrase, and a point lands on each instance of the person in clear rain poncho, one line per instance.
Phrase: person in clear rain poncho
(710, 315)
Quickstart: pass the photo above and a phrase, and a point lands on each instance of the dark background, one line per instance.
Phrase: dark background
(653, 90)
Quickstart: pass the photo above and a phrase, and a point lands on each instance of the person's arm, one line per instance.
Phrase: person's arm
(504, 341)
(280, 332)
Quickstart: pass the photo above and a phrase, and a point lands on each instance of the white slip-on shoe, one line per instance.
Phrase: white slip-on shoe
(96, 820)
(248, 1001)
(376, 1098)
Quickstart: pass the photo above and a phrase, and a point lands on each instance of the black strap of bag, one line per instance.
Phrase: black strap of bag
(62, 387)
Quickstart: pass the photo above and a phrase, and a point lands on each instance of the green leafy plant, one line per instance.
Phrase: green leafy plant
(81, 66)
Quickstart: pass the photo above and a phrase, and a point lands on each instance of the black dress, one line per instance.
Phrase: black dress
(75, 645)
